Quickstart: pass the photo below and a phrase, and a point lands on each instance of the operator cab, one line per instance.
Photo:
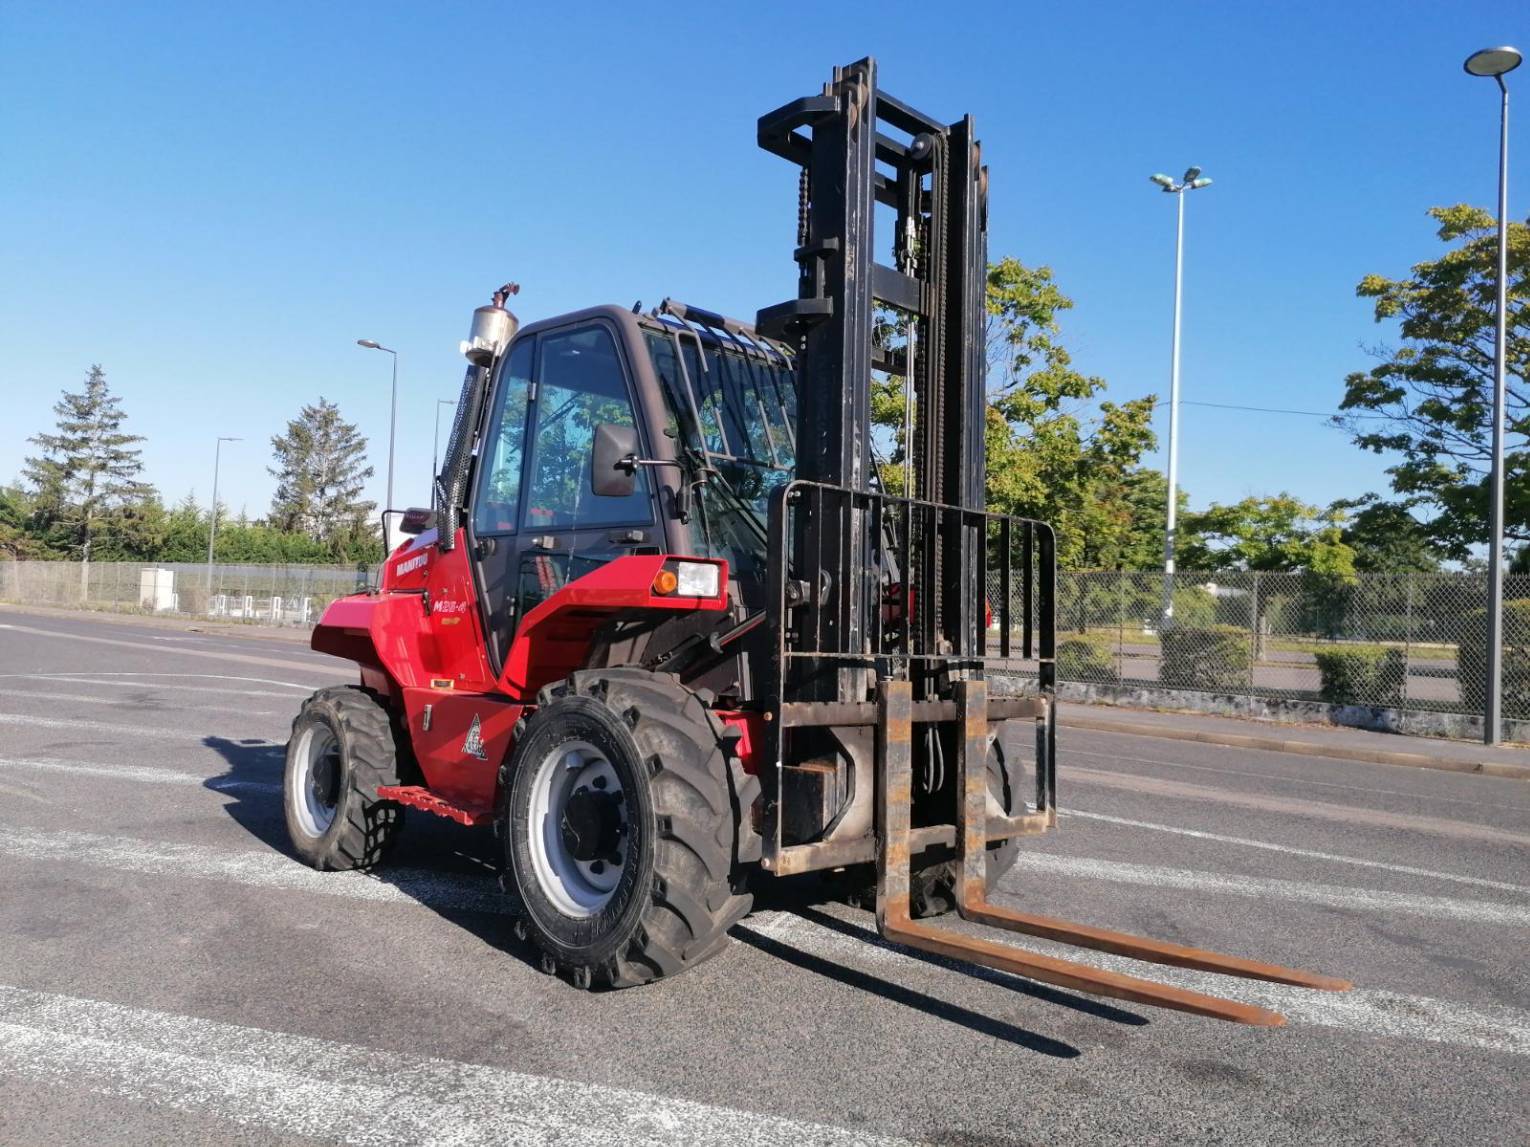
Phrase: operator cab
(708, 409)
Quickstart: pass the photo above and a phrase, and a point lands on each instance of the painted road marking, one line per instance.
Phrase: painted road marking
(1376, 1012)
(291, 666)
(126, 681)
(1304, 852)
(1254, 773)
(128, 702)
(440, 890)
(75, 726)
(90, 677)
(141, 774)
(300, 1086)
(1295, 806)
(1373, 1012)
(1265, 888)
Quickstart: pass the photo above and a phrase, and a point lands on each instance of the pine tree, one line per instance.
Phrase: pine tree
(320, 472)
(88, 470)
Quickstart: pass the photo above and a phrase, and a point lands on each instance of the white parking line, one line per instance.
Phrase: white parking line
(1304, 852)
(315, 666)
(265, 869)
(1374, 1012)
(127, 702)
(71, 725)
(292, 1085)
(1255, 773)
(141, 774)
(91, 675)
(1263, 888)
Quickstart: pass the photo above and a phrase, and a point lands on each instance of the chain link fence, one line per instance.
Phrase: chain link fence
(1398, 643)
(257, 594)
(1239, 642)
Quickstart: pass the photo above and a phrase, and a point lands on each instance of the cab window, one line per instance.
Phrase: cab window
(580, 384)
(499, 494)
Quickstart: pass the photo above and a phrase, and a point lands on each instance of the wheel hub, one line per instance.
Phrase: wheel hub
(325, 782)
(581, 836)
(592, 824)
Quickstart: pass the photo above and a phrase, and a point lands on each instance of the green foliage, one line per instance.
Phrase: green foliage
(86, 472)
(16, 514)
(1471, 660)
(1386, 537)
(1056, 451)
(1434, 391)
(1079, 659)
(320, 471)
(1271, 533)
(1361, 675)
(1194, 606)
(1213, 659)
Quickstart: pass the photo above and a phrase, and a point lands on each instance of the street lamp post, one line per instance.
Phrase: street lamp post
(1497, 62)
(435, 447)
(212, 525)
(371, 344)
(1192, 181)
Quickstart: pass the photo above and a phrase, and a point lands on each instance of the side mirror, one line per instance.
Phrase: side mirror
(417, 521)
(613, 465)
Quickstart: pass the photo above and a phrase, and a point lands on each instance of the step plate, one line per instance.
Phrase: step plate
(417, 796)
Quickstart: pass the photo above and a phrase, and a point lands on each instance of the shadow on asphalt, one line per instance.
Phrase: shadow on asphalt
(428, 841)
(907, 997)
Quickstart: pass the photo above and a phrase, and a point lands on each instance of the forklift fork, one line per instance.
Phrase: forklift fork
(895, 773)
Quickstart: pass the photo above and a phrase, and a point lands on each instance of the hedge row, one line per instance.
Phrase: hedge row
(1361, 676)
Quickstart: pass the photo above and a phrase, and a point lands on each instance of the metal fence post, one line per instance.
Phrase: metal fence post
(1253, 636)
(1120, 627)
(1407, 641)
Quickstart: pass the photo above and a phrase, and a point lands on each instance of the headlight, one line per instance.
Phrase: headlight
(696, 579)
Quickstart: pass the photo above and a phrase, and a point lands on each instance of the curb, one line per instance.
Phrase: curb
(1303, 748)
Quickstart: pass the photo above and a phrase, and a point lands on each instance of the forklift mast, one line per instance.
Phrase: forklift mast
(870, 585)
(858, 147)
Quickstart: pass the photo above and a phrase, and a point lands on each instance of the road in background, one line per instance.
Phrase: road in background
(168, 972)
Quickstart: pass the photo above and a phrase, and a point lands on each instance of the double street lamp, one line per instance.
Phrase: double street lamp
(1497, 63)
(372, 344)
(1191, 181)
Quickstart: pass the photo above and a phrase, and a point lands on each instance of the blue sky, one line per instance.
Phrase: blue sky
(215, 202)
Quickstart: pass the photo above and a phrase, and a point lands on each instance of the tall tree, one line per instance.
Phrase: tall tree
(1386, 537)
(320, 472)
(1272, 533)
(1430, 399)
(87, 470)
(1056, 451)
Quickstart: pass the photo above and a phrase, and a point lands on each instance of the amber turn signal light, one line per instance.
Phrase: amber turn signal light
(665, 582)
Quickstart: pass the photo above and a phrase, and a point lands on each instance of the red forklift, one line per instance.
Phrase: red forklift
(669, 631)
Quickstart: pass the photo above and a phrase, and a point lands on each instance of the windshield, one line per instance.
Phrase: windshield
(739, 408)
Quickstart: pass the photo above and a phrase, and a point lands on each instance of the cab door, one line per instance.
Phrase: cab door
(537, 522)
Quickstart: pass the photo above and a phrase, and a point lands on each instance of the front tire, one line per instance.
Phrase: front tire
(341, 750)
(626, 825)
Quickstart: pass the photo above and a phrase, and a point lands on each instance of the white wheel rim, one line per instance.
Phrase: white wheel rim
(577, 888)
(314, 781)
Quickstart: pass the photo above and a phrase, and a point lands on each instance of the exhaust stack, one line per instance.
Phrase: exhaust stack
(493, 328)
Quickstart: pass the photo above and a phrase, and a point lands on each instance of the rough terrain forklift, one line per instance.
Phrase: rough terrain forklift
(671, 630)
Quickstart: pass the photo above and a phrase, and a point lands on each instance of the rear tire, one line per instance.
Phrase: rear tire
(627, 826)
(341, 750)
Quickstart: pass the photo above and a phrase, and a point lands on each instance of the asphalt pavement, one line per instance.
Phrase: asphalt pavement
(168, 973)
